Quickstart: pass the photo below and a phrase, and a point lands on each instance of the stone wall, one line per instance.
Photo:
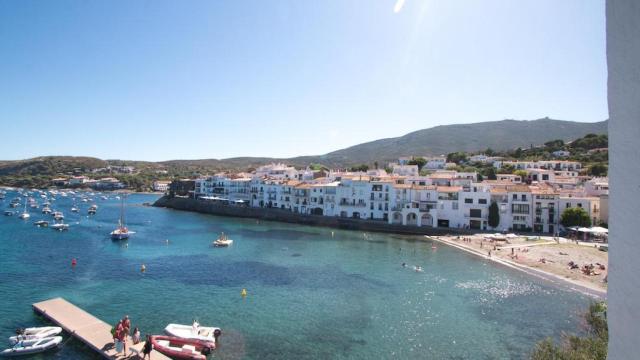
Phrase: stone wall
(273, 214)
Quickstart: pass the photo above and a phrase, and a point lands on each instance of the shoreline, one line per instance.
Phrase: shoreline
(580, 286)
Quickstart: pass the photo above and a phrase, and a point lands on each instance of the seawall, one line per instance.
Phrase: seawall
(273, 214)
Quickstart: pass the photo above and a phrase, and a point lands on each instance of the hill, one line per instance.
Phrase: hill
(441, 140)
(497, 135)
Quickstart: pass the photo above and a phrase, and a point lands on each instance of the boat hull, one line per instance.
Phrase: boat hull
(179, 348)
(203, 333)
(34, 346)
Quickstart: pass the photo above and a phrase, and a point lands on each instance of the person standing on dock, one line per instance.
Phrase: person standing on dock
(146, 349)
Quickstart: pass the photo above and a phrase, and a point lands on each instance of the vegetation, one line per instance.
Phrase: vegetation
(598, 169)
(420, 161)
(457, 157)
(573, 347)
(494, 215)
(575, 216)
(361, 167)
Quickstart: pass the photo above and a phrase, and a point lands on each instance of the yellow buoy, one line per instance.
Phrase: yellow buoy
(243, 292)
(143, 268)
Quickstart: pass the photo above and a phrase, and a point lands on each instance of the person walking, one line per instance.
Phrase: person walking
(146, 349)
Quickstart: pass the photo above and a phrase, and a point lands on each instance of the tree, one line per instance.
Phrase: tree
(554, 145)
(592, 346)
(494, 215)
(523, 174)
(457, 157)
(361, 167)
(575, 216)
(598, 170)
(490, 173)
(518, 153)
(420, 161)
(375, 164)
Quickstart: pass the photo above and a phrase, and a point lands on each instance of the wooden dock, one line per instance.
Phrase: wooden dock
(87, 328)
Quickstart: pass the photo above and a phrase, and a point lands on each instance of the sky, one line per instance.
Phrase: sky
(159, 80)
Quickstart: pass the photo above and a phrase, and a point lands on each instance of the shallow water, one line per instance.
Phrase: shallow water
(311, 294)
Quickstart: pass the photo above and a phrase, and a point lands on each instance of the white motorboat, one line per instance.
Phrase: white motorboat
(194, 331)
(222, 241)
(74, 209)
(26, 347)
(35, 333)
(57, 215)
(60, 226)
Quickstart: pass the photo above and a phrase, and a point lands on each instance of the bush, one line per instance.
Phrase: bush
(592, 346)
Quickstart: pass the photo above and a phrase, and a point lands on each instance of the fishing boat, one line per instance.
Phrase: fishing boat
(92, 209)
(46, 210)
(179, 348)
(222, 241)
(41, 223)
(26, 347)
(57, 215)
(121, 233)
(35, 333)
(194, 332)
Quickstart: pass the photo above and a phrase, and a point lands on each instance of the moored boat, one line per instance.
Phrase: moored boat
(179, 348)
(222, 241)
(35, 333)
(26, 347)
(122, 232)
(195, 332)
(41, 223)
(60, 226)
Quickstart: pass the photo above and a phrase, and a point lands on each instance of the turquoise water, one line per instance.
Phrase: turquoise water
(311, 294)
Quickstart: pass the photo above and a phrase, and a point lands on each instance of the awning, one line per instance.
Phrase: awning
(599, 230)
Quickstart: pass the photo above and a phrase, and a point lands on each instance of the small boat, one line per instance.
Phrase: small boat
(25, 215)
(179, 348)
(60, 226)
(33, 346)
(35, 333)
(122, 232)
(92, 209)
(195, 332)
(222, 241)
(46, 210)
(74, 209)
(104, 197)
(57, 215)
(8, 213)
(41, 223)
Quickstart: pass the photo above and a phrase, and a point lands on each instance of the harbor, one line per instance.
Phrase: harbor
(88, 329)
(280, 291)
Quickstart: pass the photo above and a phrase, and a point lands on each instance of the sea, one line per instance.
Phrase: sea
(312, 292)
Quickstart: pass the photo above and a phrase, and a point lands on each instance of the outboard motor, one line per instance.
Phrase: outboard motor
(205, 351)
(216, 334)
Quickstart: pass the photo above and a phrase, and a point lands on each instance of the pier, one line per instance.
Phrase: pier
(87, 328)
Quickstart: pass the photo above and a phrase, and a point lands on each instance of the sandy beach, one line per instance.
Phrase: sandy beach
(544, 257)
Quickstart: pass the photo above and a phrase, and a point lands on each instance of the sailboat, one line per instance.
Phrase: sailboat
(25, 215)
(121, 233)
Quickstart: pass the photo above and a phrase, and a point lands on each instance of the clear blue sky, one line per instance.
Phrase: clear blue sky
(159, 80)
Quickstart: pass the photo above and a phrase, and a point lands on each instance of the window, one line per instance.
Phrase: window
(475, 213)
(524, 197)
(515, 196)
(468, 201)
(520, 208)
(482, 201)
(454, 206)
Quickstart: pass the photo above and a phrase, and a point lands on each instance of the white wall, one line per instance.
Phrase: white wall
(623, 59)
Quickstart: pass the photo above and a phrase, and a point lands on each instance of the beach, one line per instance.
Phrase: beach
(545, 256)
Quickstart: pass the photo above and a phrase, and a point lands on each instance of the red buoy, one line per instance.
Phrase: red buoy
(74, 262)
